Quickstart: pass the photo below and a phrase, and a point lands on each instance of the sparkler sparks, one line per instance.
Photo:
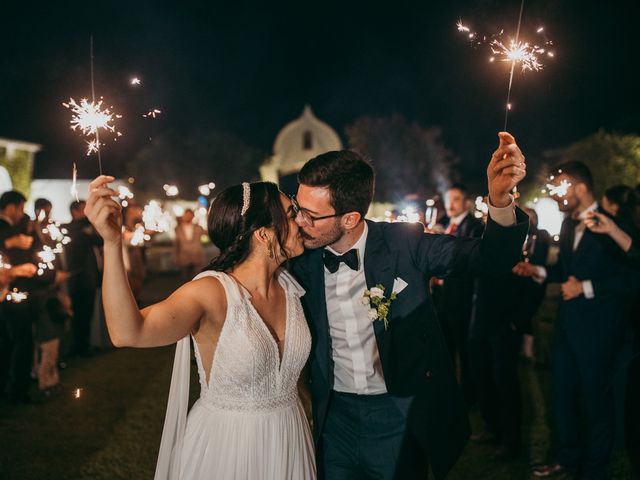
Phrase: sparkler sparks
(152, 113)
(526, 54)
(15, 296)
(559, 190)
(135, 81)
(139, 236)
(47, 256)
(171, 190)
(519, 52)
(154, 218)
(91, 117)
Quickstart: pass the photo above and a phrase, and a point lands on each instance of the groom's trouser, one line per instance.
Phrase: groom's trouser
(364, 437)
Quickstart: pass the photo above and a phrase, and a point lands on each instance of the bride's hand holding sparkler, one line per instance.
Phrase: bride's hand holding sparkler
(103, 211)
(506, 170)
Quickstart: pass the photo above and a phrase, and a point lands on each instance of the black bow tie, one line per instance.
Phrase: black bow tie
(332, 261)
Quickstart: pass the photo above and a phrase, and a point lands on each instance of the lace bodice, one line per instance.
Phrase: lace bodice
(247, 373)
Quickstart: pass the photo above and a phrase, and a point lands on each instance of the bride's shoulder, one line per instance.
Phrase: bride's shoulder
(207, 286)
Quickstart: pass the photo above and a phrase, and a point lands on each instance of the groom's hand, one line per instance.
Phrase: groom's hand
(506, 169)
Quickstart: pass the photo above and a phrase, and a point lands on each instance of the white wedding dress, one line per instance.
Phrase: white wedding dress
(248, 423)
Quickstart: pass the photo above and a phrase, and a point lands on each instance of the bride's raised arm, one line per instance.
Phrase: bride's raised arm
(160, 324)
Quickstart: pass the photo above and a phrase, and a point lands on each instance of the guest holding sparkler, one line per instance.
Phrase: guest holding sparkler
(20, 249)
(50, 323)
(600, 223)
(589, 330)
(495, 337)
(82, 258)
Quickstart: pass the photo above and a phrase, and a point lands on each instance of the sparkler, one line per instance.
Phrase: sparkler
(74, 183)
(90, 117)
(47, 257)
(152, 113)
(431, 213)
(559, 190)
(124, 194)
(139, 236)
(57, 234)
(525, 54)
(14, 296)
(135, 81)
(206, 189)
(171, 190)
(154, 218)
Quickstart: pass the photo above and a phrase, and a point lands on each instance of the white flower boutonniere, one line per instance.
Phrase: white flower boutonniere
(378, 304)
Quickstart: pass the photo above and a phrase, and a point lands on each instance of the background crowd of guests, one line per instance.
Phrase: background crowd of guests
(61, 315)
(595, 350)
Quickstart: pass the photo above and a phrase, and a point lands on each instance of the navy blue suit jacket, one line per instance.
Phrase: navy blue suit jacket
(414, 357)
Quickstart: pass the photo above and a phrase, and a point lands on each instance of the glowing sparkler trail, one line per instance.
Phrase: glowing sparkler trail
(135, 81)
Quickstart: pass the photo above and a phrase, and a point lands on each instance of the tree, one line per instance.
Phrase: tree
(191, 160)
(409, 159)
(613, 158)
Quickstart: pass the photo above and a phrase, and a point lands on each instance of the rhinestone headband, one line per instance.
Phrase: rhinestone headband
(246, 198)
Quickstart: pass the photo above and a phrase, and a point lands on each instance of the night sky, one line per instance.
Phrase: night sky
(249, 68)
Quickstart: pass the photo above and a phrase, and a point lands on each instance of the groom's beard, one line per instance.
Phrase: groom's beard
(322, 240)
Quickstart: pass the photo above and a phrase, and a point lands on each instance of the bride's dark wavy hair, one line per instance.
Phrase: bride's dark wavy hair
(231, 232)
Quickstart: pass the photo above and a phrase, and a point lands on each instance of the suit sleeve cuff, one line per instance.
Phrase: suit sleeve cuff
(587, 289)
(541, 276)
(503, 216)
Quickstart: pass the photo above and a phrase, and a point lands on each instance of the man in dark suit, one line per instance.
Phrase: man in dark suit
(500, 318)
(20, 250)
(84, 275)
(385, 400)
(588, 332)
(453, 298)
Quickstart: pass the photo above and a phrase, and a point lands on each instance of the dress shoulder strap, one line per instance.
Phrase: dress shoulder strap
(291, 284)
(231, 287)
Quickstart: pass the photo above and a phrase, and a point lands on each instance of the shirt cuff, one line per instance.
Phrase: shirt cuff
(541, 275)
(587, 289)
(503, 216)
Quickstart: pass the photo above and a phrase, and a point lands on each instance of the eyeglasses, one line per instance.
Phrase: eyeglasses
(305, 216)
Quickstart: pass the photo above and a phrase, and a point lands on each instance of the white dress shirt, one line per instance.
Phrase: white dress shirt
(357, 367)
(578, 233)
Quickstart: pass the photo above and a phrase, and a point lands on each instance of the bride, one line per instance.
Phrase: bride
(250, 338)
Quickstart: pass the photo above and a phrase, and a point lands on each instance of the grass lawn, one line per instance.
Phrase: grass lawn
(112, 431)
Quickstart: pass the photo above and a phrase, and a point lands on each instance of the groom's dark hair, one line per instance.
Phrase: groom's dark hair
(347, 175)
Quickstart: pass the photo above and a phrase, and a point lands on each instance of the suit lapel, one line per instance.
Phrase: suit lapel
(318, 311)
(379, 269)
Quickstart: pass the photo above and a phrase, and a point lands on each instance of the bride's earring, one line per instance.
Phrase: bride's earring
(270, 251)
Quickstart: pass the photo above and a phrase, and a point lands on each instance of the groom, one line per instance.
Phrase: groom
(385, 400)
